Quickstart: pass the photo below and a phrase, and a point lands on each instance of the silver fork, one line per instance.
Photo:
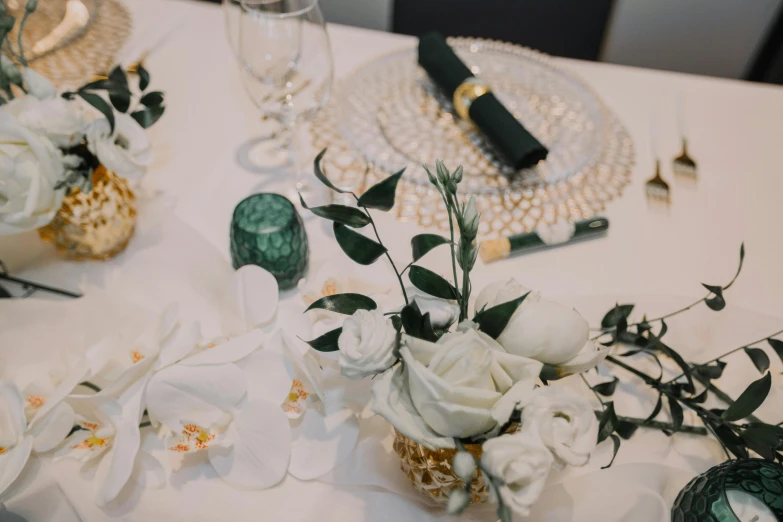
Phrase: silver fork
(684, 164)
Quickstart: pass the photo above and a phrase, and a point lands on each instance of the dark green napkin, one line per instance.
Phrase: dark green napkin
(500, 127)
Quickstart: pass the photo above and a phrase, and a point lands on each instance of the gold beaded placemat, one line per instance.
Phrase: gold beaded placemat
(388, 116)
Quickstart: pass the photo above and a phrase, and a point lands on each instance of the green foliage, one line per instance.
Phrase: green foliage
(753, 396)
(152, 99)
(381, 195)
(492, 321)
(422, 244)
(431, 283)
(144, 78)
(147, 117)
(349, 216)
(616, 314)
(677, 414)
(608, 422)
(607, 389)
(759, 358)
(319, 173)
(327, 342)
(417, 324)
(359, 248)
(100, 104)
(346, 304)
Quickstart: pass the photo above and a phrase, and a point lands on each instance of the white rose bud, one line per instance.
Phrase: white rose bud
(366, 344)
(38, 86)
(464, 465)
(565, 423)
(470, 219)
(431, 176)
(522, 464)
(458, 501)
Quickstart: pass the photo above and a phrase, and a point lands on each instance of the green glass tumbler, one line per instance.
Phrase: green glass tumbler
(267, 231)
(706, 498)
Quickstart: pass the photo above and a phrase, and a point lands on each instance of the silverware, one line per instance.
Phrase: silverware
(684, 164)
(656, 187)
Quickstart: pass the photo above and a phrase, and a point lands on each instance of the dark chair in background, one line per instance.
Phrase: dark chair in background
(768, 65)
(572, 28)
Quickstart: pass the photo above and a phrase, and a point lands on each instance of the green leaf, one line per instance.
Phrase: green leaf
(359, 248)
(319, 173)
(120, 101)
(607, 388)
(144, 77)
(327, 342)
(148, 116)
(777, 346)
(416, 324)
(676, 357)
(717, 302)
(152, 99)
(759, 358)
(613, 317)
(349, 216)
(100, 104)
(117, 76)
(677, 413)
(730, 439)
(626, 429)
(739, 268)
(396, 322)
(104, 85)
(346, 304)
(381, 195)
(431, 283)
(423, 243)
(753, 396)
(700, 398)
(492, 321)
(712, 371)
(616, 445)
(762, 439)
(608, 422)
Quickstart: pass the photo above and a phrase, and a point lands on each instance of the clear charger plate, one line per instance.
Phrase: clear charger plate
(388, 115)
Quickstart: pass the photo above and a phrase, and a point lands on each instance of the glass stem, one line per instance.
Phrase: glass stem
(290, 138)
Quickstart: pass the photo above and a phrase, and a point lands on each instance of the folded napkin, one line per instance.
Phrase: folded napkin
(500, 127)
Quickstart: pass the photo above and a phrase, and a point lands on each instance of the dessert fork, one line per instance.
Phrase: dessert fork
(656, 187)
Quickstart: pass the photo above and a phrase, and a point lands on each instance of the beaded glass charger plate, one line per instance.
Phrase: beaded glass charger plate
(388, 115)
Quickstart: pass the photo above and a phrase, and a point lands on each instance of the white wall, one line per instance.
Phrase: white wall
(713, 37)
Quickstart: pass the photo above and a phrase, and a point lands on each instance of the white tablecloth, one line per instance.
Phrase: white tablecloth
(734, 132)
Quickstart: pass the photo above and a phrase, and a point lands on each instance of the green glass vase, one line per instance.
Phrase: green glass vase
(704, 498)
(267, 231)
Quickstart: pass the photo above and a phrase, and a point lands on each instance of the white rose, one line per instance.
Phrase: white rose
(522, 463)
(543, 330)
(442, 312)
(30, 167)
(126, 152)
(37, 85)
(465, 385)
(62, 121)
(565, 423)
(366, 344)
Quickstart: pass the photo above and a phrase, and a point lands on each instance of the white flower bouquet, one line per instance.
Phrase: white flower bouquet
(51, 144)
(446, 378)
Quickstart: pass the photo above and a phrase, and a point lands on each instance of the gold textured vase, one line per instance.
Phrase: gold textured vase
(94, 225)
(430, 470)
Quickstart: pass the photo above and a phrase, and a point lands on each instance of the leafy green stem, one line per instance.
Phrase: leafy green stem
(22, 59)
(448, 203)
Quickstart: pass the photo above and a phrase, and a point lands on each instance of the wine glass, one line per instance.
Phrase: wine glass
(286, 64)
(232, 10)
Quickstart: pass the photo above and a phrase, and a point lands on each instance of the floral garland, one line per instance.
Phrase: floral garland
(51, 144)
(444, 379)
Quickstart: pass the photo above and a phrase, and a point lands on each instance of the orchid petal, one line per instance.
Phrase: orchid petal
(321, 442)
(230, 351)
(13, 461)
(54, 399)
(52, 429)
(254, 296)
(259, 456)
(148, 472)
(201, 394)
(269, 375)
(12, 416)
(178, 347)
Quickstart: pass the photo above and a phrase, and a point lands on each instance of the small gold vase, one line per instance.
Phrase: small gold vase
(430, 470)
(95, 225)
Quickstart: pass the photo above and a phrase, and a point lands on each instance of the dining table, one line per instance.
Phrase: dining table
(655, 256)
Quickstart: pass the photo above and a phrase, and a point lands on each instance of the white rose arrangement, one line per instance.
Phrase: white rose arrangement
(51, 144)
(445, 377)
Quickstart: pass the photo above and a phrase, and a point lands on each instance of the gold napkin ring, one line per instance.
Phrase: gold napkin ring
(468, 92)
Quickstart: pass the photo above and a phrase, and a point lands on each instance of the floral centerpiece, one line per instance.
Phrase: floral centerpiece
(58, 147)
(466, 382)
(459, 381)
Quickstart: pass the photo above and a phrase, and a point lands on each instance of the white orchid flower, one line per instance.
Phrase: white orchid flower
(15, 445)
